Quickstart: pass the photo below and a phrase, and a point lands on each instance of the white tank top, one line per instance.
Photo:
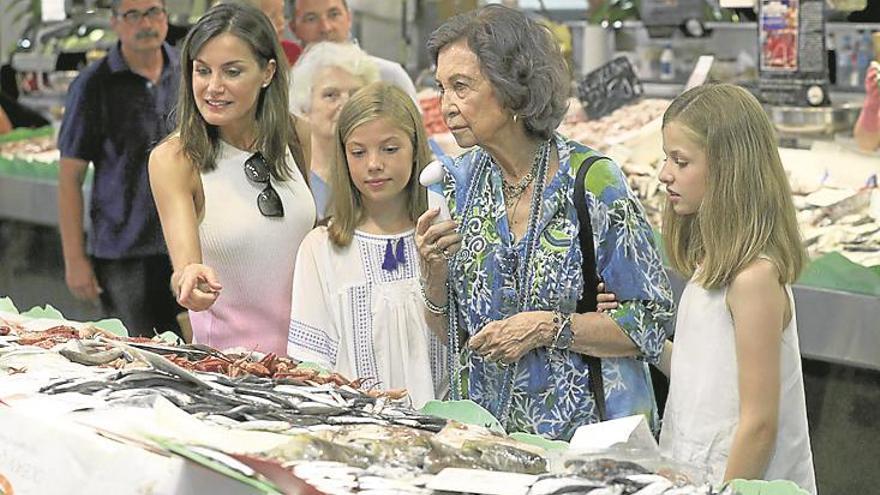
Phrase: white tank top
(253, 255)
(702, 410)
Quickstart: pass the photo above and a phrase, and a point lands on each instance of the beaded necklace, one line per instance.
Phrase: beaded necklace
(524, 279)
(512, 192)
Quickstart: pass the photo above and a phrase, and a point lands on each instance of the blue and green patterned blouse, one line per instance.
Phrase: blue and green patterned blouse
(550, 389)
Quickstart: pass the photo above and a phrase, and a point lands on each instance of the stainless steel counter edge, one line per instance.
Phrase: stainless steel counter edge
(34, 200)
(839, 327)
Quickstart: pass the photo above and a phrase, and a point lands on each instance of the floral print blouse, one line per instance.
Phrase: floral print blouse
(495, 276)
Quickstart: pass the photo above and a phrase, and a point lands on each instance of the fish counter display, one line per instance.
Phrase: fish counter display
(279, 425)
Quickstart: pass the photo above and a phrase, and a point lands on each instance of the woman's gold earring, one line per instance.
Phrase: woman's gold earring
(515, 116)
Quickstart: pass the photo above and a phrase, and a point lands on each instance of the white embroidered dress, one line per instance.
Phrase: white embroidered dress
(354, 316)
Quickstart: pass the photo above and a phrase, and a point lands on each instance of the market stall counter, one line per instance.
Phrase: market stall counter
(833, 326)
(86, 410)
(29, 177)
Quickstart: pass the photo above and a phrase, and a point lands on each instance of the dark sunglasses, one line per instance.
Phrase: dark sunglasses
(269, 202)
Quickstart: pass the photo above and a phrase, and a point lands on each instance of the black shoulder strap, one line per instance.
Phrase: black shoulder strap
(587, 302)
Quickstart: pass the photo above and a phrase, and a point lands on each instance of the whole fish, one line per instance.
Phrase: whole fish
(559, 484)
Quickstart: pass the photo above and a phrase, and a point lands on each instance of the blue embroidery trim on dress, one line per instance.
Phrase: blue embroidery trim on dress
(313, 339)
(372, 248)
(364, 352)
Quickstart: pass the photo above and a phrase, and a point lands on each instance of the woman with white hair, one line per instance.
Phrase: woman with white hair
(322, 80)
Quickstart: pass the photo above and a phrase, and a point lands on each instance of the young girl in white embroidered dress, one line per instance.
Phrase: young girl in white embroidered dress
(736, 401)
(357, 305)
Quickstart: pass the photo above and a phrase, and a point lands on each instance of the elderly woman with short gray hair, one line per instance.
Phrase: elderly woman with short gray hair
(502, 278)
(322, 80)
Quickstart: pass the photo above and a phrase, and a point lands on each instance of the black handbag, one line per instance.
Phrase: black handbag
(587, 302)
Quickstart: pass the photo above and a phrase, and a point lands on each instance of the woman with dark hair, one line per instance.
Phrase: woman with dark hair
(230, 183)
(502, 278)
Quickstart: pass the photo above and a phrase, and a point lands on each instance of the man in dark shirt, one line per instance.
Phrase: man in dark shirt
(116, 111)
(330, 20)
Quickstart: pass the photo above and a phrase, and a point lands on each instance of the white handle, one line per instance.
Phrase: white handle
(437, 200)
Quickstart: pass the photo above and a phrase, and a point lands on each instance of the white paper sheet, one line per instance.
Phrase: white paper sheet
(631, 430)
(483, 482)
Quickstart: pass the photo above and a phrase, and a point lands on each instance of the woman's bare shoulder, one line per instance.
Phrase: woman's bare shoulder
(757, 287)
(756, 276)
(170, 147)
(168, 156)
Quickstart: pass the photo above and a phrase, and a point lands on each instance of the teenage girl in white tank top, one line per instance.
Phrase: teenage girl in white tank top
(736, 406)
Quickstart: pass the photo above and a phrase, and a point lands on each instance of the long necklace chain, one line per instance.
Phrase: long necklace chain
(454, 365)
(512, 192)
(525, 282)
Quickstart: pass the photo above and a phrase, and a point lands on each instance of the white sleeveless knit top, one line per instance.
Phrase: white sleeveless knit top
(702, 411)
(253, 255)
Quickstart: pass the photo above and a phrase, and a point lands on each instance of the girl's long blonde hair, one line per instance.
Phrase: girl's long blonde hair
(372, 102)
(747, 210)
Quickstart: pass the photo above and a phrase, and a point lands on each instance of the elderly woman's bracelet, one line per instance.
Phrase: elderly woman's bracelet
(433, 308)
(564, 332)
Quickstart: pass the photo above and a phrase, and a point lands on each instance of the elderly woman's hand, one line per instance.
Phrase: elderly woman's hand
(196, 286)
(606, 301)
(509, 339)
(437, 243)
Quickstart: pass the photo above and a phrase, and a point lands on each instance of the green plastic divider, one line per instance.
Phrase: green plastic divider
(831, 271)
(7, 306)
(18, 166)
(835, 272)
(761, 487)
(539, 441)
(308, 365)
(46, 311)
(169, 337)
(26, 133)
(112, 325)
(469, 412)
(44, 171)
(463, 411)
